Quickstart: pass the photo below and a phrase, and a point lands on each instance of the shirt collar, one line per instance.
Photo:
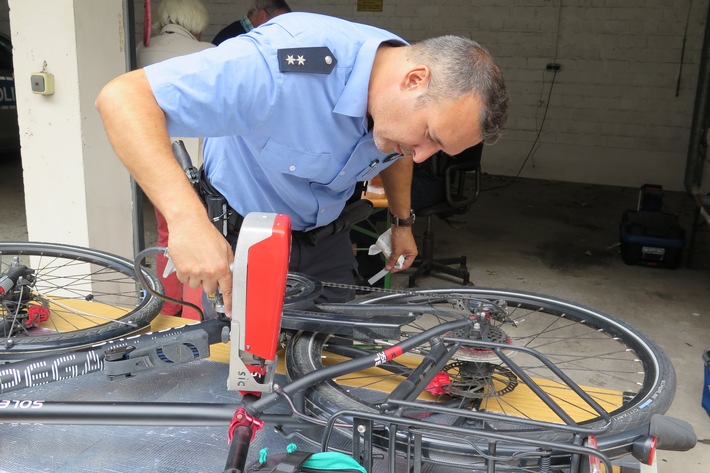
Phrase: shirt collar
(172, 28)
(353, 100)
(246, 24)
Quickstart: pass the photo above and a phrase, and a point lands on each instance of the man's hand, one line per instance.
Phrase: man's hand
(402, 244)
(202, 256)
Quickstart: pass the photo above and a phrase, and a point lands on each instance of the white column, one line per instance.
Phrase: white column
(76, 190)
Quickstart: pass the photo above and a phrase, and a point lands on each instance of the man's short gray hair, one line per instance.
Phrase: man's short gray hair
(460, 66)
(272, 7)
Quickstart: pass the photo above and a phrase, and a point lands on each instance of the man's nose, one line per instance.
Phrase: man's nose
(422, 153)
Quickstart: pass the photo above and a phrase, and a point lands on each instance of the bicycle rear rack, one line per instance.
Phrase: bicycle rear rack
(504, 448)
(408, 434)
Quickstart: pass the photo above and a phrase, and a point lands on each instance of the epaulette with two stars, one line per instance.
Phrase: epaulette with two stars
(318, 60)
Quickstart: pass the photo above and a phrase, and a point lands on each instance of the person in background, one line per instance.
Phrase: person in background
(295, 113)
(179, 26)
(260, 12)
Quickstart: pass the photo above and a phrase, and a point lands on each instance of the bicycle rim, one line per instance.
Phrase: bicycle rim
(74, 297)
(624, 371)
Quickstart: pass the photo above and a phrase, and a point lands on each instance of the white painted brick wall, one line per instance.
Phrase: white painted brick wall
(613, 116)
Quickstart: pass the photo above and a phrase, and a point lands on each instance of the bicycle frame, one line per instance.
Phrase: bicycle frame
(128, 356)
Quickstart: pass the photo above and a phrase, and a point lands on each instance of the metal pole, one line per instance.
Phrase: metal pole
(697, 148)
(129, 26)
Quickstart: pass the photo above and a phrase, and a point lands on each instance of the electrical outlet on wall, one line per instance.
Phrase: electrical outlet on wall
(42, 83)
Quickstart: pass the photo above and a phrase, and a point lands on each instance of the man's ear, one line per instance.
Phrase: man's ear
(416, 77)
(262, 16)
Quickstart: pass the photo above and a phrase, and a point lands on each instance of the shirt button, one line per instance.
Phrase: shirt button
(322, 210)
(342, 173)
(292, 168)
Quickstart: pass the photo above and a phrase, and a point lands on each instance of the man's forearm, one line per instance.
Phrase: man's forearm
(397, 182)
(136, 128)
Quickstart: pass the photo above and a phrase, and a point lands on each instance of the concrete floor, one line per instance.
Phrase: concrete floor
(559, 239)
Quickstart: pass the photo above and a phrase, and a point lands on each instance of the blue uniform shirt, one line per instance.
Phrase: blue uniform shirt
(286, 142)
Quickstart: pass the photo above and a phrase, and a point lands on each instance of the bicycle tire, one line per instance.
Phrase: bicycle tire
(87, 296)
(651, 373)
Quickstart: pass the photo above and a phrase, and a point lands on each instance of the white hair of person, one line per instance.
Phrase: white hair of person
(190, 14)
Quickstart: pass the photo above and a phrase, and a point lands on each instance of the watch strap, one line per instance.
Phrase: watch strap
(402, 222)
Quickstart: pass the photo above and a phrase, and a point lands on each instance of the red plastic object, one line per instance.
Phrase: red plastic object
(258, 372)
(436, 386)
(147, 20)
(266, 285)
(595, 465)
(36, 314)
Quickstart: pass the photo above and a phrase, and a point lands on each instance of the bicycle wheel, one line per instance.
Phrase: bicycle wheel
(67, 297)
(621, 369)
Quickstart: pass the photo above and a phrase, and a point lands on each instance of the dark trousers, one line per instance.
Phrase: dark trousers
(331, 260)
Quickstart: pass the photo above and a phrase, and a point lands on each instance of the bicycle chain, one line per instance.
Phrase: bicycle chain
(458, 298)
(403, 292)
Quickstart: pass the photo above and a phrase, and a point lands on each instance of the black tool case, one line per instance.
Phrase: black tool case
(651, 238)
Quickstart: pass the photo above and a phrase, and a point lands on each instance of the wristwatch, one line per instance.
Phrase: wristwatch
(402, 222)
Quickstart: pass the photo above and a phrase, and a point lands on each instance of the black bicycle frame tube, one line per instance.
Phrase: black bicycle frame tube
(238, 450)
(116, 413)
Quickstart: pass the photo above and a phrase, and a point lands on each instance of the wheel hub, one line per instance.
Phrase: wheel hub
(475, 380)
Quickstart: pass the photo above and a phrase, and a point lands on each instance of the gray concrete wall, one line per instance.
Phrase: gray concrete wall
(612, 116)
